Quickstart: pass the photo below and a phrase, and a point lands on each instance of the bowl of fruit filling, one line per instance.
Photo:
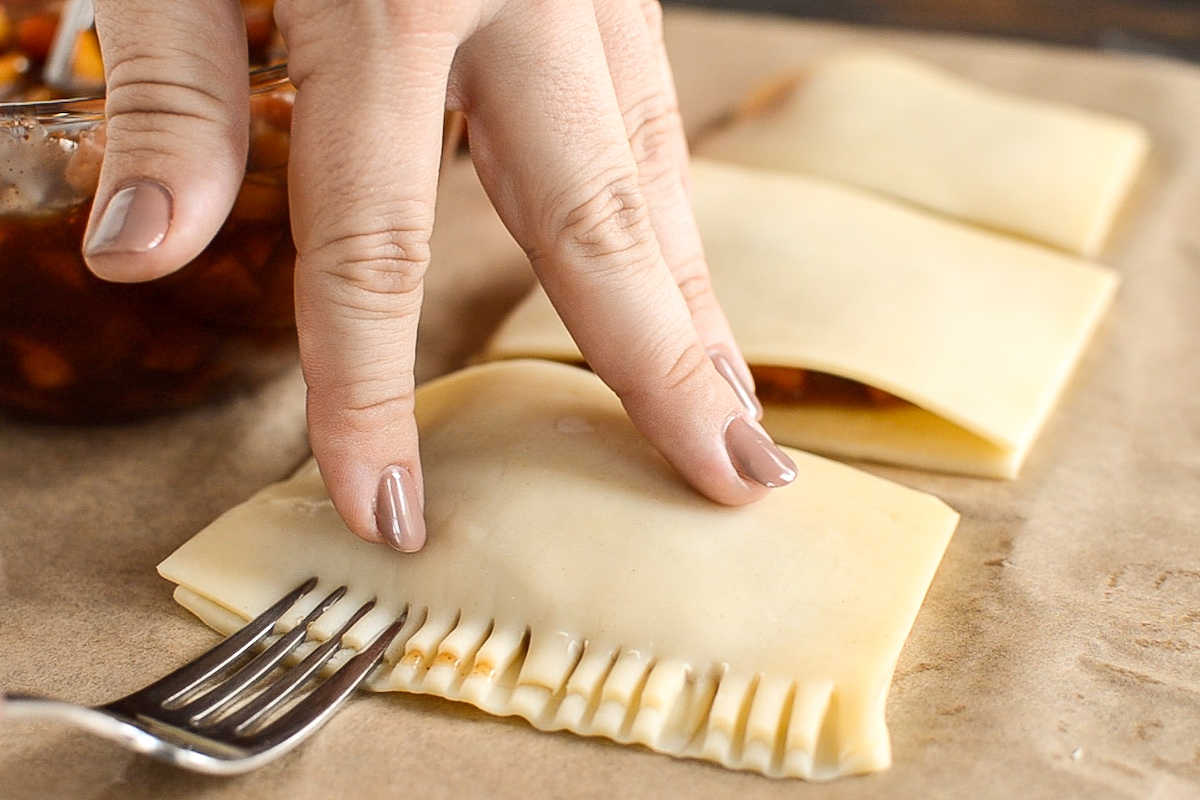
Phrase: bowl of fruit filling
(76, 349)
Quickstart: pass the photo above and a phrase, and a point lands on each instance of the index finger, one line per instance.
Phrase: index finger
(366, 141)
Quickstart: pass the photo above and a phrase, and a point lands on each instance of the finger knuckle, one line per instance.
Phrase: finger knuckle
(689, 365)
(651, 126)
(611, 224)
(376, 272)
(366, 380)
(368, 405)
(696, 288)
(672, 369)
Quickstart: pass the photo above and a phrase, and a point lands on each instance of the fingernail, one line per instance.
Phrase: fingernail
(755, 457)
(719, 354)
(398, 511)
(135, 220)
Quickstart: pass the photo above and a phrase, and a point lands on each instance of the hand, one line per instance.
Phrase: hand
(576, 137)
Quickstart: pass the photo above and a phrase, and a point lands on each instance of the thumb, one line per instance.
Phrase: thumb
(176, 108)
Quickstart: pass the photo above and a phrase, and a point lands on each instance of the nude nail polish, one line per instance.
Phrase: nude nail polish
(135, 220)
(755, 457)
(398, 514)
(719, 355)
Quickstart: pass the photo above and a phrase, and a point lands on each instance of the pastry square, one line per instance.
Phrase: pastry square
(572, 578)
(969, 336)
(877, 119)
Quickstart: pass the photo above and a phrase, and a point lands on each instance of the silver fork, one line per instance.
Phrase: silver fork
(220, 713)
(77, 16)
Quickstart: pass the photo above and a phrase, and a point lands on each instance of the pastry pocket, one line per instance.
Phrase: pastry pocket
(975, 332)
(572, 579)
(884, 121)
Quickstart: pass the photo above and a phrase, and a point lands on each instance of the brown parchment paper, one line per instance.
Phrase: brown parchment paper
(1058, 651)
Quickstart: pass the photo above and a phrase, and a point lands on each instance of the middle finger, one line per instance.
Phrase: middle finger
(550, 144)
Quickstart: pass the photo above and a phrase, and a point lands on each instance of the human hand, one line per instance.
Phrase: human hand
(575, 135)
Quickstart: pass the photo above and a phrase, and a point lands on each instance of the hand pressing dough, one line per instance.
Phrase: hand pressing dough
(884, 121)
(978, 332)
(572, 579)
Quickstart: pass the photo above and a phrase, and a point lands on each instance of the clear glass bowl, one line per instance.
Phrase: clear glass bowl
(74, 348)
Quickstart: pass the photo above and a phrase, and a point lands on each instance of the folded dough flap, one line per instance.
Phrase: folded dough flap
(571, 578)
(980, 331)
(888, 122)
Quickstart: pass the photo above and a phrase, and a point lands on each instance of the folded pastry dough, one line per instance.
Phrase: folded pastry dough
(894, 124)
(978, 332)
(572, 579)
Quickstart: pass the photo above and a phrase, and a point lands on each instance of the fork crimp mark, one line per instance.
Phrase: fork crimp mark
(240, 721)
(223, 694)
(311, 712)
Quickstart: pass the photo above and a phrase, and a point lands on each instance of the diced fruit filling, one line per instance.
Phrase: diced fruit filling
(27, 34)
(75, 348)
(789, 386)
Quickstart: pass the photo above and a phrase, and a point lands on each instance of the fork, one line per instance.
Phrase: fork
(221, 714)
(76, 17)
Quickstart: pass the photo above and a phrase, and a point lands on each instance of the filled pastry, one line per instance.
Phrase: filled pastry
(888, 122)
(572, 578)
(875, 330)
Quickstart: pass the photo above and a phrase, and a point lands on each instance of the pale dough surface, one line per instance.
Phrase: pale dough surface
(893, 123)
(762, 637)
(979, 330)
(1054, 655)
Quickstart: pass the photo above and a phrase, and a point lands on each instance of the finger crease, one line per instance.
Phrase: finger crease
(379, 264)
(191, 88)
(147, 112)
(613, 221)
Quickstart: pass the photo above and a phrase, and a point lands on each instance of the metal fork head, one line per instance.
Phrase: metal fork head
(222, 713)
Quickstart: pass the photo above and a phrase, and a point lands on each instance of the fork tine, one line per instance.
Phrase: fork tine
(194, 711)
(310, 713)
(214, 660)
(239, 721)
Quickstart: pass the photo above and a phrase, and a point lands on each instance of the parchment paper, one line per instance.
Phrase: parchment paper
(1058, 651)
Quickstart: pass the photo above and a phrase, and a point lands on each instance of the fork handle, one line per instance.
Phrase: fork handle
(18, 707)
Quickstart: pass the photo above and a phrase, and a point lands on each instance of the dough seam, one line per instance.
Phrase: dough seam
(723, 737)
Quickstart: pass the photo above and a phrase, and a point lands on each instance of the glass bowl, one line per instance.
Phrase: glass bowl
(76, 349)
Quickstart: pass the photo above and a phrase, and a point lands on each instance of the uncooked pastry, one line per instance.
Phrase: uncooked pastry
(888, 122)
(572, 579)
(979, 331)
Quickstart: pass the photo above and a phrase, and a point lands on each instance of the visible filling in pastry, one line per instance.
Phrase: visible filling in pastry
(794, 386)
(977, 332)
